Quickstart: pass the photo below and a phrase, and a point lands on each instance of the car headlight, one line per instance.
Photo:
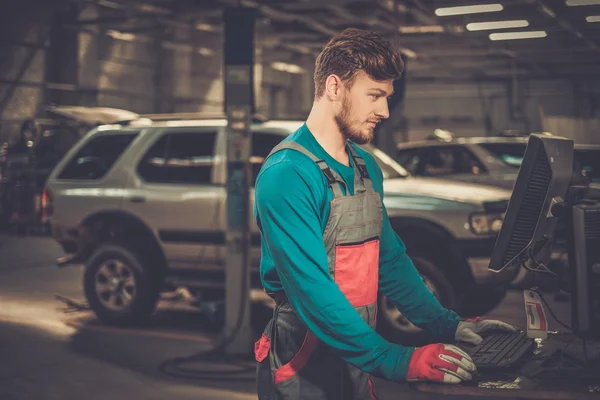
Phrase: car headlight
(484, 223)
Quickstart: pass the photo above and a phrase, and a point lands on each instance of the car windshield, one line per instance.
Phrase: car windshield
(511, 154)
(585, 159)
(390, 168)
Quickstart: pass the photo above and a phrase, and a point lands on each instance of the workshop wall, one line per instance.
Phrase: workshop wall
(464, 107)
(178, 69)
(24, 31)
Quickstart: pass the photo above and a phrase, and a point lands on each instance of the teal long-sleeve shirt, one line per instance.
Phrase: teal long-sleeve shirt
(292, 205)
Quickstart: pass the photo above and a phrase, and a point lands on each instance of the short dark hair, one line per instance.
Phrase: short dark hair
(353, 50)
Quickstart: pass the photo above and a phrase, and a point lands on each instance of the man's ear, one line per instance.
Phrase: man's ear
(333, 87)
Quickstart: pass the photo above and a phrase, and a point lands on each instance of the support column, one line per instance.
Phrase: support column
(62, 60)
(239, 107)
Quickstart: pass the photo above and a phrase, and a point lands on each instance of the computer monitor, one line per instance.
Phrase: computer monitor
(543, 180)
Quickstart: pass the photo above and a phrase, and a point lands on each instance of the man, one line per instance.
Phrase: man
(328, 247)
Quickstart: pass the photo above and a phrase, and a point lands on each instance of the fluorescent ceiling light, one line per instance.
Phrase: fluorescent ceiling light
(517, 35)
(593, 18)
(480, 8)
(482, 26)
(408, 52)
(421, 29)
(582, 2)
(289, 68)
(128, 37)
(205, 27)
(205, 51)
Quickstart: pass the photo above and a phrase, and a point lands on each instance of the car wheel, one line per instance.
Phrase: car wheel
(120, 286)
(394, 326)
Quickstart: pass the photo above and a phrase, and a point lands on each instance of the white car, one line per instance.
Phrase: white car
(143, 208)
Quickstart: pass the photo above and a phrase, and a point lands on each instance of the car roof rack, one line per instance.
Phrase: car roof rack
(256, 118)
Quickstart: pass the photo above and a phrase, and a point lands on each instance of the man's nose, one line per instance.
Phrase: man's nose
(383, 112)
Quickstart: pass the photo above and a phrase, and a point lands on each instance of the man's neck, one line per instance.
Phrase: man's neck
(326, 131)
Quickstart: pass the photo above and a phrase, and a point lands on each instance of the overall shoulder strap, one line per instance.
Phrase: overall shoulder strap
(362, 180)
(334, 180)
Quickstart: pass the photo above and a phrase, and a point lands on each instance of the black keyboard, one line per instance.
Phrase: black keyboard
(501, 350)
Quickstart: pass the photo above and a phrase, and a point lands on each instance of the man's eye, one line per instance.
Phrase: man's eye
(374, 96)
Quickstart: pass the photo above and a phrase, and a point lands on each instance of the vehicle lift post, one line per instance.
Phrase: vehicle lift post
(239, 107)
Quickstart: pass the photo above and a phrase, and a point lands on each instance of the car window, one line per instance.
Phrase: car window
(389, 167)
(180, 158)
(262, 144)
(447, 160)
(510, 154)
(588, 161)
(97, 156)
(409, 159)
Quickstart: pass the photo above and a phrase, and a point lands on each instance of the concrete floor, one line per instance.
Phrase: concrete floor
(46, 353)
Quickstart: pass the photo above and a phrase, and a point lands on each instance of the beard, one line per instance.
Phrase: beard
(348, 127)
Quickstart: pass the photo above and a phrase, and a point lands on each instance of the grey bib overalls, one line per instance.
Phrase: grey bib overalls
(292, 363)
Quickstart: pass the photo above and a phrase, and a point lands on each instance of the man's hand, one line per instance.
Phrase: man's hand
(444, 363)
(468, 331)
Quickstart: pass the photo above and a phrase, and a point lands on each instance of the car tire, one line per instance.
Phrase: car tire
(395, 327)
(120, 285)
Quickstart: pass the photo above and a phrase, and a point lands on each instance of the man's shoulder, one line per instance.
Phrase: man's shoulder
(287, 158)
(289, 164)
(289, 178)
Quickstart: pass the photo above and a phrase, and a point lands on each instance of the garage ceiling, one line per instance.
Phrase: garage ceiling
(438, 46)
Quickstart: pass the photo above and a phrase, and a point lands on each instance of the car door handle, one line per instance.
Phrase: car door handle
(137, 199)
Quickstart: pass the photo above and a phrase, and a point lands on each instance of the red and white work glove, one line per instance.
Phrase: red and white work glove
(444, 363)
(468, 331)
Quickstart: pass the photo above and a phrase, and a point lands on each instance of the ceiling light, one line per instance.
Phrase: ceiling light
(205, 27)
(517, 35)
(482, 26)
(285, 67)
(128, 37)
(582, 2)
(593, 18)
(421, 29)
(205, 51)
(408, 52)
(480, 8)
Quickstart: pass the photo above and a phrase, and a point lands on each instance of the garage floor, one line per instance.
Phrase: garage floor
(46, 353)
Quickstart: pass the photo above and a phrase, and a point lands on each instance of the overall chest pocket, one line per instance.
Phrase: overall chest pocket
(357, 271)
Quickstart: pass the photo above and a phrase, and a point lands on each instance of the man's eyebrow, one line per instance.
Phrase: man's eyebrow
(382, 92)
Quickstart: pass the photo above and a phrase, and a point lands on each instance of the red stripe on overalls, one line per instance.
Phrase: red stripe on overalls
(372, 390)
(299, 361)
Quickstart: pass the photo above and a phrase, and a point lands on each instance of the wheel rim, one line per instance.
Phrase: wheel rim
(115, 284)
(395, 318)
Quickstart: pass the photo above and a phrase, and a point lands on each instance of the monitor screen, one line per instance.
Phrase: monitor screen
(543, 180)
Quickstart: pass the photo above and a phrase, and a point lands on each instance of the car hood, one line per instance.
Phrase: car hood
(505, 180)
(445, 189)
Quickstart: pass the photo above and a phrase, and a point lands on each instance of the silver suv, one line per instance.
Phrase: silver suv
(143, 208)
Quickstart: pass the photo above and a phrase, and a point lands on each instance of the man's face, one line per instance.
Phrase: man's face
(363, 106)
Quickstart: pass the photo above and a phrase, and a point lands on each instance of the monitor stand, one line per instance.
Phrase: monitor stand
(587, 356)
(568, 361)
